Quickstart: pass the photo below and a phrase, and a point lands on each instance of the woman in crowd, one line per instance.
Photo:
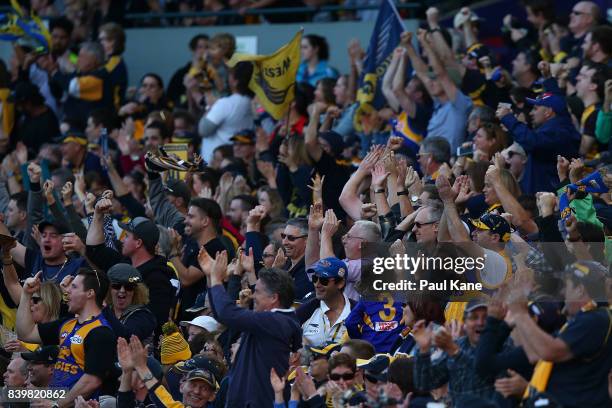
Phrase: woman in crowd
(315, 65)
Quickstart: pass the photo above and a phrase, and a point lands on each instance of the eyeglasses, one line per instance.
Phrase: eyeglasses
(129, 287)
(345, 376)
(419, 155)
(268, 255)
(36, 299)
(321, 280)
(347, 236)
(292, 238)
(421, 224)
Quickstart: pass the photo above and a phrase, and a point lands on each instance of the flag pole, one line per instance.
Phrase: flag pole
(288, 127)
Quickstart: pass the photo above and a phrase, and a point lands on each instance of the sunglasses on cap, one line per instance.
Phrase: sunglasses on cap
(345, 376)
(129, 287)
(292, 238)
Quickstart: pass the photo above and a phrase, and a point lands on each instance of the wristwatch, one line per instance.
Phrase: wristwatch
(146, 377)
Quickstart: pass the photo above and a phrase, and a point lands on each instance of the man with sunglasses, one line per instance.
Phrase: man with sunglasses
(294, 243)
(516, 159)
(326, 323)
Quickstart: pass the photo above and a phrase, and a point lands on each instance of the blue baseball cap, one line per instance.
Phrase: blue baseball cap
(550, 100)
(329, 268)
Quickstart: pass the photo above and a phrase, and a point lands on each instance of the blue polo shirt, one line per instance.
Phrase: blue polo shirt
(449, 120)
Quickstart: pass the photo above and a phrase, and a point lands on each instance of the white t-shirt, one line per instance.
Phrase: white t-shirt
(232, 114)
(495, 270)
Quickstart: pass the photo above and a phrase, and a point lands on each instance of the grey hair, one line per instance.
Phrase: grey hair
(94, 48)
(371, 230)
(23, 368)
(279, 282)
(164, 241)
(484, 113)
(438, 147)
(435, 210)
(301, 223)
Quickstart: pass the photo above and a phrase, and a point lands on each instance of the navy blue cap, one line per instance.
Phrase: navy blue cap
(550, 100)
(329, 268)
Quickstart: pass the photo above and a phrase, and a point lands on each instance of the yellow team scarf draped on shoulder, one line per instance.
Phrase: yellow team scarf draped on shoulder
(543, 369)
(273, 79)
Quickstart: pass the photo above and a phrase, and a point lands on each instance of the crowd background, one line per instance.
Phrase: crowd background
(242, 282)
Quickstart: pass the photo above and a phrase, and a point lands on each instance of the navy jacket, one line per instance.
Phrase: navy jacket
(557, 136)
(267, 340)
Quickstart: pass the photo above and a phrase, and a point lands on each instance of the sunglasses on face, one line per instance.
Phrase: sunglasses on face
(345, 376)
(36, 299)
(322, 281)
(129, 287)
(292, 238)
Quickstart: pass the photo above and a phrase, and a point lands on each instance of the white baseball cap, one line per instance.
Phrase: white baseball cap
(205, 322)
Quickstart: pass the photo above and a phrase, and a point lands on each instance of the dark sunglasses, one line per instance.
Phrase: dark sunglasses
(345, 376)
(292, 238)
(322, 281)
(36, 299)
(421, 224)
(129, 287)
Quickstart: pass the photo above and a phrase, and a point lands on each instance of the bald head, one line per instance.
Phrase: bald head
(583, 17)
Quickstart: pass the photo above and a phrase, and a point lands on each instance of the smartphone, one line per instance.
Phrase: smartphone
(465, 151)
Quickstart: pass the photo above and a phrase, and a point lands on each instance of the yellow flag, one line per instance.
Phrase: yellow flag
(273, 79)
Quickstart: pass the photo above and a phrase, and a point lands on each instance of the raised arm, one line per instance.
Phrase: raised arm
(24, 324)
(455, 226)
(416, 61)
(349, 197)
(406, 103)
(329, 228)
(520, 217)
(439, 44)
(35, 204)
(387, 87)
(311, 133)
(438, 67)
(165, 213)
(313, 242)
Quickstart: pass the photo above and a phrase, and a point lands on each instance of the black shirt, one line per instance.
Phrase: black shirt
(583, 380)
(189, 293)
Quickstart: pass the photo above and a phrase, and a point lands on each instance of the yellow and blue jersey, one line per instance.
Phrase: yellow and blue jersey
(70, 365)
(378, 322)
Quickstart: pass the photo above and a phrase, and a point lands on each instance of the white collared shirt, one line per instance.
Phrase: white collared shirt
(317, 330)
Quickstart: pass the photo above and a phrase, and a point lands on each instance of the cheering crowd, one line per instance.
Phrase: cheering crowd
(247, 279)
